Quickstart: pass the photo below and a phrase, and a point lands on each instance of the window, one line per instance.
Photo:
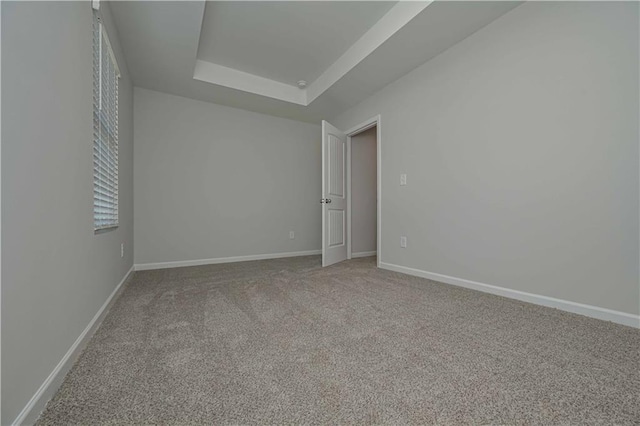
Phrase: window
(105, 130)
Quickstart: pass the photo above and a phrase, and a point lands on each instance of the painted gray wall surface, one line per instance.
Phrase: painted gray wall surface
(364, 191)
(521, 149)
(56, 272)
(212, 181)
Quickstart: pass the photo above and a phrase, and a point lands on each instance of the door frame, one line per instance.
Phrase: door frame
(366, 125)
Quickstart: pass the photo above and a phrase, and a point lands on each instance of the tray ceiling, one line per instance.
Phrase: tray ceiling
(251, 54)
(284, 41)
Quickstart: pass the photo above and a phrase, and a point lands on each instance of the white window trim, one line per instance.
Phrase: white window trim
(104, 37)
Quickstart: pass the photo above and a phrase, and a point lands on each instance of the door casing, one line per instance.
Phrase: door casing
(377, 123)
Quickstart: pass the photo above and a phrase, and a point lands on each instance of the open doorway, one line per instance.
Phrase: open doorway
(362, 193)
(338, 222)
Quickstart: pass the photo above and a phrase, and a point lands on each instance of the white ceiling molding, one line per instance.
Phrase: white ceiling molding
(161, 39)
(387, 26)
(235, 79)
(396, 18)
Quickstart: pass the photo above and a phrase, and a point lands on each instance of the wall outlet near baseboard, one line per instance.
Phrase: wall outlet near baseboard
(121, 249)
(292, 235)
(403, 179)
(403, 241)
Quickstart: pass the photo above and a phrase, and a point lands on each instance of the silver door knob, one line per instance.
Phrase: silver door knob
(325, 200)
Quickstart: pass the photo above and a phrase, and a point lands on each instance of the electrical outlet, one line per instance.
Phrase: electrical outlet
(291, 235)
(403, 241)
(121, 249)
(403, 179)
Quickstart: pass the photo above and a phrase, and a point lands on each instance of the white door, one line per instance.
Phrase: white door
(334, 196)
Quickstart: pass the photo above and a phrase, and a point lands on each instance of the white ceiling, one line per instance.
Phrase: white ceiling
(250, 54)
(284, 41)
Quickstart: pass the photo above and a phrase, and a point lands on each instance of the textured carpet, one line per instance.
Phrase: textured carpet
(286, 341)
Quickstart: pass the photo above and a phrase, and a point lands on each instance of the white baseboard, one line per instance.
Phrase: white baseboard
(182, 263)
(38, 401)
(363, 254)
(551, 302)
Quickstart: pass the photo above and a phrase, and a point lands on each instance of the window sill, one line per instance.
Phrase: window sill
(105, 229)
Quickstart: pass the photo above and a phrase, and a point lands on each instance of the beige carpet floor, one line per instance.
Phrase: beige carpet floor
(288, 342)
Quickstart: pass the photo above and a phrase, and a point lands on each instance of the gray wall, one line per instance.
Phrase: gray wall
(213, 181)
(521, 148)
(56, 272)
(364, 191)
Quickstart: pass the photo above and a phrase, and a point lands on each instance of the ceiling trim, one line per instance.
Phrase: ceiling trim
(240, 80)
(396, 18)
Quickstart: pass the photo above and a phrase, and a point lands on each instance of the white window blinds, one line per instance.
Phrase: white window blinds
(105, 130)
